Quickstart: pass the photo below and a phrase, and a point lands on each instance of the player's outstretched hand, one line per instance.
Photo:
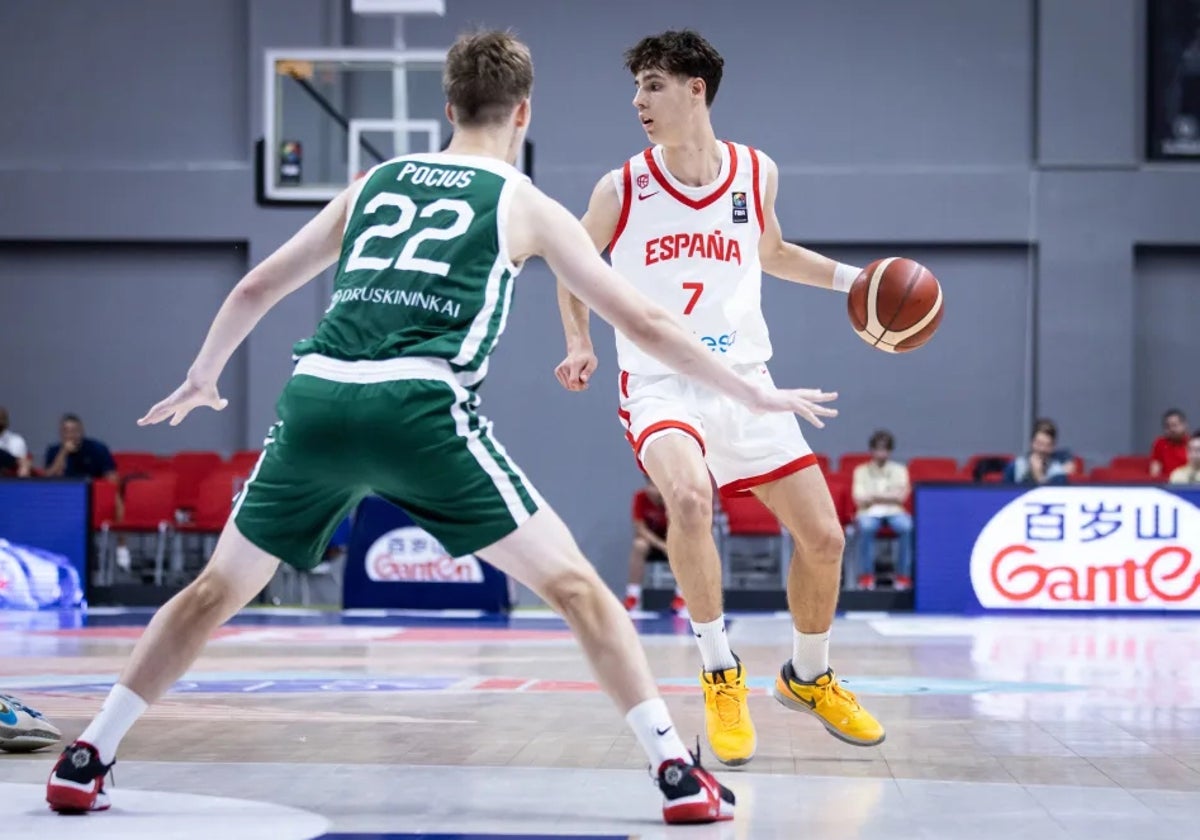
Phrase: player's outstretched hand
(803, 401)
(186, 397)
(575, 371)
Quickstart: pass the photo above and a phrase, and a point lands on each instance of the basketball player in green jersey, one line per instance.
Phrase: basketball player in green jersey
(383, 400)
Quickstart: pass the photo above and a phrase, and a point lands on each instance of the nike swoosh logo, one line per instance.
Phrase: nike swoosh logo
(812, 704)
(644, 196)
(658, 731)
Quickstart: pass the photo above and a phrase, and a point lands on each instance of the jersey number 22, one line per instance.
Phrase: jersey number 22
(408, 259)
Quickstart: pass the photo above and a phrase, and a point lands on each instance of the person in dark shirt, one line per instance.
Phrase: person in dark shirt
(76, 456)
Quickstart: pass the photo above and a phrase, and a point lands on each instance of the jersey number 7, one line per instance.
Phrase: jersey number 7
(696, 289)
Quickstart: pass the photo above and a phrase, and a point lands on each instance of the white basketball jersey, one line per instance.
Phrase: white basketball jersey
(694, 250)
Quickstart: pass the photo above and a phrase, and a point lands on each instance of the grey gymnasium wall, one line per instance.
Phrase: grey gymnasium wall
(997, 142)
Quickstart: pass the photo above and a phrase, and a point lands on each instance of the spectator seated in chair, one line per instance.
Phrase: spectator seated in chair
(1044, 463)
(14, 455)
(1170, 451)
(77, 456)
(1189, 473)
(881, 489)
(649, 543)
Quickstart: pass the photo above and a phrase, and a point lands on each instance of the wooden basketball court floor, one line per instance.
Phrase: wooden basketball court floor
(303, 725)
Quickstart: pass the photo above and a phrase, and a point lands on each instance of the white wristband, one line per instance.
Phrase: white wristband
(843, 277)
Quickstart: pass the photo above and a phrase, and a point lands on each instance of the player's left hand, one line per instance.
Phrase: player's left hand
(575, 371)
(806, 402)
(187, 396)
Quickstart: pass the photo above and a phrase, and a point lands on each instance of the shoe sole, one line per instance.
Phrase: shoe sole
(701, 820)
(67, 801)
(697, 814)
(732, 762)
(800, 706)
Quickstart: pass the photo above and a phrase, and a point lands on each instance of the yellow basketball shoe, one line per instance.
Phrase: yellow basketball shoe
(727, 715)
(836, 707)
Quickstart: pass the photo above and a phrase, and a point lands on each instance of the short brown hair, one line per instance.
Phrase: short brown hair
(1045, 426)
(680, 53)
(882, 438)
(487, 74)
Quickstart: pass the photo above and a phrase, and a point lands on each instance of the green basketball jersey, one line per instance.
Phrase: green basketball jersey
(424, 269)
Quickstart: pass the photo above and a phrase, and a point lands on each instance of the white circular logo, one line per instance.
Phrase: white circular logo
(411, 554)
(1081, 548)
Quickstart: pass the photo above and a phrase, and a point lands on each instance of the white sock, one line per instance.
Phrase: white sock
(634, 591)
(714, 645)
(120, 711)
(810, 654)
(651, 723)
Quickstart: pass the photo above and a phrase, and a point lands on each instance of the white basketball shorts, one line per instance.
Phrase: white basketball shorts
(742, 449)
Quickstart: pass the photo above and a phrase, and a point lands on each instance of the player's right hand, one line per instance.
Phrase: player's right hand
(803, 401)
(575, 371)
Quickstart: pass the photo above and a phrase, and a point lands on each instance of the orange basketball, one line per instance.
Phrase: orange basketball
(895, 304)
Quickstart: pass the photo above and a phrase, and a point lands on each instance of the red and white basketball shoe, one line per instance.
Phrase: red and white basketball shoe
(691, 794)
(76, 784)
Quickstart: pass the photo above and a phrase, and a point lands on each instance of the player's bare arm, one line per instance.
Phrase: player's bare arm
(309, 252)
(600, 222)
(543, 227)
(791, 262)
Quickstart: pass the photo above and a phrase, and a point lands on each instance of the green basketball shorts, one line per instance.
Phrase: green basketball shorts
(403, 429)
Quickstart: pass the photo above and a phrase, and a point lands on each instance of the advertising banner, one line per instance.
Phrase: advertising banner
(394, 564)
(1081, 547)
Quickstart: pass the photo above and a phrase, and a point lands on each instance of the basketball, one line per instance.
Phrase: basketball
(895, 304)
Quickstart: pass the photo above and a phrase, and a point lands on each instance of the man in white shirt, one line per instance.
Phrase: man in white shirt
(881, 489)
(13, 444)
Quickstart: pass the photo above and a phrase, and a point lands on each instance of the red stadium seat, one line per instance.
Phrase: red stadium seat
(138, 463)
(986, 464)
(933, 469)
(191, 468)
(851, 460)
(1131, 463)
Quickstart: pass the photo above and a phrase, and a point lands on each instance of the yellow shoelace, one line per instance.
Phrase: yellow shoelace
(729, 702)
(826, 693)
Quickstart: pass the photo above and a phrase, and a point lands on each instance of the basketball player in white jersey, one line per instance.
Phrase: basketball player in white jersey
(691, 223)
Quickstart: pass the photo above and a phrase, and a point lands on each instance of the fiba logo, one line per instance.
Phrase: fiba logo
(411, 555)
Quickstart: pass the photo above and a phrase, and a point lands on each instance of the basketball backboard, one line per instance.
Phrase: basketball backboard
(332, 114)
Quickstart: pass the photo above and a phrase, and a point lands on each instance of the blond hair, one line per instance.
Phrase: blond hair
(487, 74)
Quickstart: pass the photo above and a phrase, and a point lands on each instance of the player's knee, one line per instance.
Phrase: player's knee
(209, 592)
(690, 505)
(573, 593)
(826, 543)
